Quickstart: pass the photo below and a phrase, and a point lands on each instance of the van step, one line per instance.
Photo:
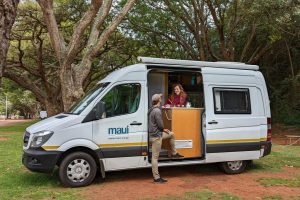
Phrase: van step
(164, 158)
(163, 155)
(167, 159)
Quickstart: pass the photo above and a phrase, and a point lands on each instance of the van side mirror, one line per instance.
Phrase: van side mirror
(96, 113)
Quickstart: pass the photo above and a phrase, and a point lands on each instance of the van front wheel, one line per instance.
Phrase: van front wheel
(233, 167)
(77, 169)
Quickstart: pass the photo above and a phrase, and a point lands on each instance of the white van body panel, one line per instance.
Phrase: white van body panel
(79, 131)
(132, 72)
(111, 143)
(121, 163)
(65, 129)
(53, 123)
(231, 130)
(78, 143)
(232, 156)
(264, 92)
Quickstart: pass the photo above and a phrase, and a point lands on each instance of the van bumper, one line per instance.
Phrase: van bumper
(40, 160)
(267, 148)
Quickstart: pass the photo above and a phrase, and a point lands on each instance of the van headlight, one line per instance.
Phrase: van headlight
(39, 138)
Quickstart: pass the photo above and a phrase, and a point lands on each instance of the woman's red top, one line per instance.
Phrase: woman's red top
(177, 101)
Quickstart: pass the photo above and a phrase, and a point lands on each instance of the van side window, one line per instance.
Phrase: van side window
(122, 99)
(232, 101)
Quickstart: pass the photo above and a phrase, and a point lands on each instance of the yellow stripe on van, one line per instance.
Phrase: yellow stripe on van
(133, 144)
(236, 141)
(50, 147)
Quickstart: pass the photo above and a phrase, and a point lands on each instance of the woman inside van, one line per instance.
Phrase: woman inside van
(178, 97)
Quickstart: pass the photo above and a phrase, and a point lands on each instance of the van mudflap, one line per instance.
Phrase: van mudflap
(267, 147)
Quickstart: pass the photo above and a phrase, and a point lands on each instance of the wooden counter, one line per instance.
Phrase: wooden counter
(186, 124)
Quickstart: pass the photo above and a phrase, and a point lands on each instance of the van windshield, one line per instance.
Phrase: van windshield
(77, 108)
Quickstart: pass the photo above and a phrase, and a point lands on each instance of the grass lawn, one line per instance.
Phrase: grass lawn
(16, 182)
(281, 156)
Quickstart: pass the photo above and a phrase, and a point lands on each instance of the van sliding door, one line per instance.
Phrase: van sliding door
(233, 122)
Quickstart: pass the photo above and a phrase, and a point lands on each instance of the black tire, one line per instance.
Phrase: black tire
(77, 169)
(233, 167)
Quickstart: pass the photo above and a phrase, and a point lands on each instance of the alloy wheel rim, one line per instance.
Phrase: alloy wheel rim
(78, 170)
(235, 165)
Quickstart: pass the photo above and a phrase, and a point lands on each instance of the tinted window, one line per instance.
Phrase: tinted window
(122, 99)
(232, 101)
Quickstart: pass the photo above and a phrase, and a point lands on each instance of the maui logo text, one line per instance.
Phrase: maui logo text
(117, 131)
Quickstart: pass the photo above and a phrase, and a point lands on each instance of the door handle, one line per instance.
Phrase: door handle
(135, 123)
(213, 122)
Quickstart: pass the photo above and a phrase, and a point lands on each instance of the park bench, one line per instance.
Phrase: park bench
(292, 139)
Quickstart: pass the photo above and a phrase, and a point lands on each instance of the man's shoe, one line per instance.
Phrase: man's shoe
(177, 156)
(160, 180)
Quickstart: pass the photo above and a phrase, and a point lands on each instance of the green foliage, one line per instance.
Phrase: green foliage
(283, 87)
(16, 182)
(275, 23)
(21, 102)
(152, 28)
(151, 23)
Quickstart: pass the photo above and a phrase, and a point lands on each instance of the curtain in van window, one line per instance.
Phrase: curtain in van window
(232, 101)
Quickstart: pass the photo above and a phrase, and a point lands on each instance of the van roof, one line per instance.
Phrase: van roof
(173, 63)
(117, 74)
(193, 63)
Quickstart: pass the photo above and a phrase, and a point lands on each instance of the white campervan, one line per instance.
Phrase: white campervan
(227, 121)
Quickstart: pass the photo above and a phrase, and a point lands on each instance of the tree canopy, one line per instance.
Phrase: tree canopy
(59, 49)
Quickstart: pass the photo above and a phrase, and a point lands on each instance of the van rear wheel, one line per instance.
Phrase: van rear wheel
(77, 169)
(233, 167)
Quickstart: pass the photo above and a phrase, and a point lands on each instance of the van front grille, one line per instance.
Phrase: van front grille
(26, 138)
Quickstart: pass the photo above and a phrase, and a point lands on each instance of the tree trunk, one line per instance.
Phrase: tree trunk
(8, 12)
(52, 108)
(71, 86)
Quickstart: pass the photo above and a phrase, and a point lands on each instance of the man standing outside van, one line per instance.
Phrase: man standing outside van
(157, 133)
